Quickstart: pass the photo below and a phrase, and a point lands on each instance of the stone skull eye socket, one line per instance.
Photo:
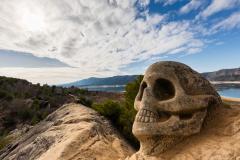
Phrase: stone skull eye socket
(142, 87)
(163, 89)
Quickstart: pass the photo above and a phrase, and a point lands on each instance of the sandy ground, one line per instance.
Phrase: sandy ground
(219, 139)
(231, 101)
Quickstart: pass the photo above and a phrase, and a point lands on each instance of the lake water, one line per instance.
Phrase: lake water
(230, 92)
(227, 92)
(106, 88)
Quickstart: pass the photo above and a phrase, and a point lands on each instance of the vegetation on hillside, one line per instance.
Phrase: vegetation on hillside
(4, 141)
(123, 114)
(24, 103)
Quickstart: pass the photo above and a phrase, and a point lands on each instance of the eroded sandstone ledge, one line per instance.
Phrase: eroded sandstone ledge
(72, 132)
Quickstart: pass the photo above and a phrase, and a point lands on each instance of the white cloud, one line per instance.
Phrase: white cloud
(192, 5)
(233, 21)
(166, 2)
(144, 3)
(219, 5)
(95, 36)
(52, 75)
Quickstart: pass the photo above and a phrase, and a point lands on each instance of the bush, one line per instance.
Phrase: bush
(5, 95)
(35, 119)
(110, 110)
(122, 116)
(46, 90)
(36, 104)
(76, 91)
(131, 91)
(9, 121)
(25, 114)
(4, 141)
(128, 117)
(84, 101)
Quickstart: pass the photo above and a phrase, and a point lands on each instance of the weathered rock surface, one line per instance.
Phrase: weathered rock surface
(173, 103)
(182, 117)
(72, 132)
(220, 140)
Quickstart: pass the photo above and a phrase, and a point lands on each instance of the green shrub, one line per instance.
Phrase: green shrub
(46, 90)
(35, 119)
(84, 101)
(125, 123)
(5, 95)
(36, 104)
(9, 121)
(27, 95)
(128, 117)
(25, 114)
(131, 91)
(122, 116)
(110, 110)
(4, 141)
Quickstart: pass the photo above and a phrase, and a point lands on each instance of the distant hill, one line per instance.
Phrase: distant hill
(116, 80)
(223, 75)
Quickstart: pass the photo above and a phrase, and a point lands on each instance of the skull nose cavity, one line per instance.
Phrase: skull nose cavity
(163, 89)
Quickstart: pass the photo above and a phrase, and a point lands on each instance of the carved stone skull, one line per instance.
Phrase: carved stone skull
(173, 102)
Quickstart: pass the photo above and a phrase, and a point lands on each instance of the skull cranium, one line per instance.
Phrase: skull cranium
(173, 101)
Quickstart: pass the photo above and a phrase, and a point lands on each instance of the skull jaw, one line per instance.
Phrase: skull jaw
(158, 136)
(174, 126)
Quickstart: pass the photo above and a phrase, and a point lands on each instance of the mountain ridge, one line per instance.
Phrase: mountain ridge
(223, 75)
(220, 75)
(114, 80)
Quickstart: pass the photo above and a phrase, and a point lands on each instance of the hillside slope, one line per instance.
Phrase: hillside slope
(72, 132)
(22, 102)
(115, 80)
(223, 75)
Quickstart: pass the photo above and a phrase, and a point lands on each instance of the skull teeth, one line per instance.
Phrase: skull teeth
(146, 116)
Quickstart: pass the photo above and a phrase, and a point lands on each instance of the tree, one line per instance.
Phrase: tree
(132, 90)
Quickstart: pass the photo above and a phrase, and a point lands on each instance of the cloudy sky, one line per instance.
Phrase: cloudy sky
(58, 41)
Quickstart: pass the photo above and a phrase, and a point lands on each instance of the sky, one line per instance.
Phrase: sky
(60, 41)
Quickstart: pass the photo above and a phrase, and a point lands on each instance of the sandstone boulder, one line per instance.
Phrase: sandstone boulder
(219, 140)
(182, 117)
(73, 132)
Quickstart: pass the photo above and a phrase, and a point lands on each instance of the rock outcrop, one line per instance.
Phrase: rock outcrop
(219, 140)
(173, 103)
(73, 132)
(181, 117)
